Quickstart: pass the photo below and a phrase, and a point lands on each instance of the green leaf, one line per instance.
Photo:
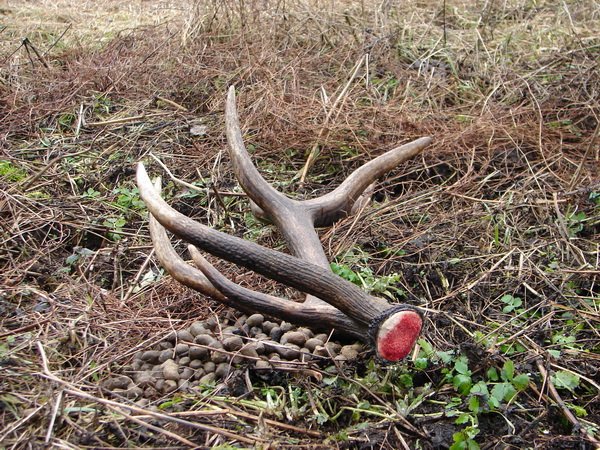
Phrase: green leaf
(461, 366)
(462, 419)
(462, 383)
(446, 357)
(565, 380)
(474, 404)
(503, 392)
(421, 363)
(492, 374)
(480, 388)
(578, 410)
(521, 382)
(508, 371)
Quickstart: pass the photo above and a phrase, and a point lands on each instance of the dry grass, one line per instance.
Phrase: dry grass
(508, 90)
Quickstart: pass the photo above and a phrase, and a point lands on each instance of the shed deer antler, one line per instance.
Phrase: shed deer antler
(331, 301)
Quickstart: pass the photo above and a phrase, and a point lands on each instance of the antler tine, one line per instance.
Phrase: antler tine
(278, 307)
(338, 203)
(173, 264)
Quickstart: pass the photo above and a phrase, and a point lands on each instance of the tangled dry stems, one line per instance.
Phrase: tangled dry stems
(510, 93)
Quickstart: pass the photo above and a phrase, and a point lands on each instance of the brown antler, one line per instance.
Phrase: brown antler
(332, 301)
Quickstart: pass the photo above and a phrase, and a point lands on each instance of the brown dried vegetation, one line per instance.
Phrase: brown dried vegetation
(505, 202)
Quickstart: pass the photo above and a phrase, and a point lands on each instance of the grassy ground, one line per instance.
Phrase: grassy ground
(495, 229)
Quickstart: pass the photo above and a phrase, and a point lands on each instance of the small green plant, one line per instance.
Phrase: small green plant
(129, 198)
(364, 277)
(575, 221)
(91, 193)
(512, 304)
(10, 172)
(465, 439)
(115, 227)
(66, 121)
(102, 104)
(565, 380)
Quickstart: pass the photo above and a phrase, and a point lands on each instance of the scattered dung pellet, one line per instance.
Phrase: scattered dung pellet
(218, 357)
(333, 347)
(171, 337)
(164, 345)
(145, 379)
(267, 326)
(199, 373)
(262, 364)
(294, 337)
(285, 326)
(186, 373)
(231, 331)
(142, 402)
(307, 332)
(146, 366)
(137, 364)
(320, 350)
(209, 366)
(260, 347)
(117, 382)
(169, 386)
(151, 391)
(276, 333)
(340, 358)
(150, 356)
(233, 343)
(164, 355)
(182, 349)
(211, 323)
(322, 336)
(306, 355)
(183, 384)
(312, 343)
(255, 330)
(170, 370)
(289, 351)
(359, 347)
(209, 378)
(157, 372)
(197, 328)
(131, 392)
(255, 320)
(349, 352)
(222, 371)
(185, 361)
(205, 339)
(185, 335)
(249, 350)
(241, 320)
(198, 353)
(196, 364)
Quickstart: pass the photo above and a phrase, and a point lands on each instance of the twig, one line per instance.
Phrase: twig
(561, 404)
(27, 43)
(171, 103)
(315, 148)
(55, 409)
(174, 178)
(57, 40)
(137, 278)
